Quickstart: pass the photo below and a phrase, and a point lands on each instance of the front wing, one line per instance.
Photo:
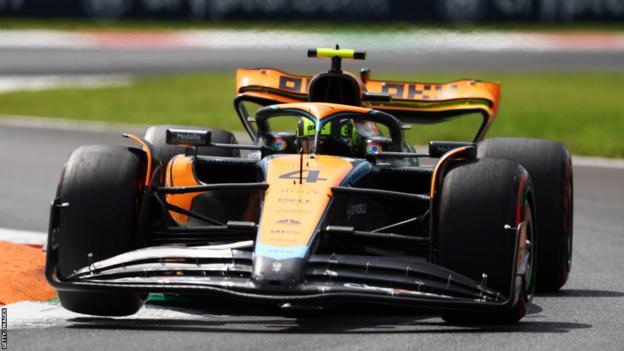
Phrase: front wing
(225, 272)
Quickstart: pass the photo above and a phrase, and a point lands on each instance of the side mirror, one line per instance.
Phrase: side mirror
(188, 137)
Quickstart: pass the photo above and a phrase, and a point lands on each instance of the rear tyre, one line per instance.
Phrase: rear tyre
(164, 152)
(476, 201)
(102, 185)
(550, 167)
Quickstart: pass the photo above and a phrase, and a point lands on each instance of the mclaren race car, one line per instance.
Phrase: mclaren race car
(328, 205)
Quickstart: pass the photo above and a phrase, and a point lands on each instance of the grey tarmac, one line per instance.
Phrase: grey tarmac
(28, 61)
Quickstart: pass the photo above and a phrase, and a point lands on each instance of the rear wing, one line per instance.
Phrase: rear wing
(419, 103)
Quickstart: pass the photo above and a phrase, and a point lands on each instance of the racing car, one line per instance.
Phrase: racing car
(328, 205)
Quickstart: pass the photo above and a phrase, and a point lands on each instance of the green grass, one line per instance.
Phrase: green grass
(77, 24)
(582, 110)
(185, 99)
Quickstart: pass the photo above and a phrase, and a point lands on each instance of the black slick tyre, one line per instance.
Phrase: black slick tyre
(550, 167)
(476, 201)
(101, 185)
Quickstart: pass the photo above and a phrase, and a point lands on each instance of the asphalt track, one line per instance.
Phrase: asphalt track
(586, 315)
(35, 61)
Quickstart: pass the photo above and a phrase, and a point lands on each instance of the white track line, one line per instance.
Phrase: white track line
(34, 83)
(23, 236)
(31, 314)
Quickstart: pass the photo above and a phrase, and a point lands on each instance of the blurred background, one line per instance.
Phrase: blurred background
(340, 10)
(561, 62)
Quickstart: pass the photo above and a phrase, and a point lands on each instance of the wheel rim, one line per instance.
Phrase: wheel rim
(527, 253)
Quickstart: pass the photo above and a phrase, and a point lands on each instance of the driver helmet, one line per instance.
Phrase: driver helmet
(337, 137)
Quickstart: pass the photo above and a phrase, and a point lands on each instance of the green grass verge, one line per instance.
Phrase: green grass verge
(582, 110)
(77, 24)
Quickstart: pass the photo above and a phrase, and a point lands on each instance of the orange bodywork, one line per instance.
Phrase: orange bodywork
(455, 153)
(292, 210)
(180, 173)
(148, 153)
(266, 80)
(322, 110)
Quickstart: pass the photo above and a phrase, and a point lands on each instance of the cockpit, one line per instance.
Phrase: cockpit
(325, 128)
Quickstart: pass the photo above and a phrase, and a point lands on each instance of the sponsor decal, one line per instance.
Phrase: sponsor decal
(293, 210)
(443, 148)
(290, 83)
(298, 191)
(280, 253)
(284, 231)
(293, 201)
(357, 210)
(188, 136)
(279, 144)
(288, 221)
(373, 147)
(414, 91)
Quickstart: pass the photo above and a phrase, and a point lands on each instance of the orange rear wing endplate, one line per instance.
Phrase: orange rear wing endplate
(409, 101)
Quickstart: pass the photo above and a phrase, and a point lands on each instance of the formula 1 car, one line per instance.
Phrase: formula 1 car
(336, 209)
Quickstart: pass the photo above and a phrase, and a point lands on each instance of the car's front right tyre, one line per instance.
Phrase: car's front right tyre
(101, 186)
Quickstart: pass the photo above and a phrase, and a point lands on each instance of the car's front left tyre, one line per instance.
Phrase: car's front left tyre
(550, 166)
(481, 205)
